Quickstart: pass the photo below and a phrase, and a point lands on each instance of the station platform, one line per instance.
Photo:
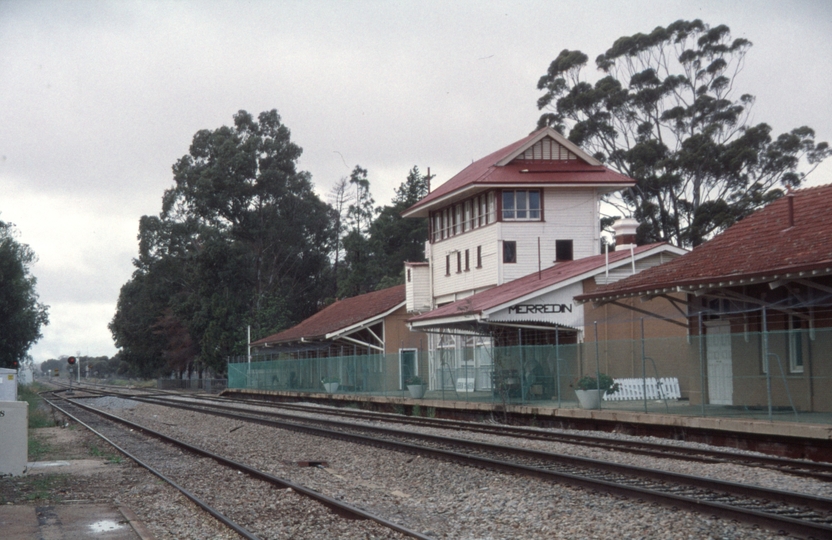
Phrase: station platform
(70, 522)
(801, 436)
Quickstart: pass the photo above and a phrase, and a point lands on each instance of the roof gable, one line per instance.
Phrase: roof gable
(543, 158)
(546, 145)
(340, 315)
(763, 245)
(535, 284)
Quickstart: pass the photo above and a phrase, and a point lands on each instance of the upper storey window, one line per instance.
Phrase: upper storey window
(467, 215)
(521, 205)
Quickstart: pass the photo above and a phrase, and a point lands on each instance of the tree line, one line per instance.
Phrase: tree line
(243, 240)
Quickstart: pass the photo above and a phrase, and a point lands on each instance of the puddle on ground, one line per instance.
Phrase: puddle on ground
(105, 525)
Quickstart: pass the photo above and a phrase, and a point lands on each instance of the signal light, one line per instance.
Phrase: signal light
(71, 360)
(15, 364)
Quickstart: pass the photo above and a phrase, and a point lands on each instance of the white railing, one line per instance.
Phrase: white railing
(633, 389)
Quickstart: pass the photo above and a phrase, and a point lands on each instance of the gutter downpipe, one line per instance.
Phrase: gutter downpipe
(643, 366)
(557, 360)
(766, 364)
(598, 368)
(702, 363)
(607, 262)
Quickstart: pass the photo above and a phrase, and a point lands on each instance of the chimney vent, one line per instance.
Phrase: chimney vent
(625, 233)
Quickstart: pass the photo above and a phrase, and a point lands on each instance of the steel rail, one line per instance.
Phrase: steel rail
(340, 507)
(199, 502)
(810, 469)
(777, 522)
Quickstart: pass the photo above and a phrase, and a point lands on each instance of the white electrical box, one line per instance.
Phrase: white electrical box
(8, 384)
(14, 437)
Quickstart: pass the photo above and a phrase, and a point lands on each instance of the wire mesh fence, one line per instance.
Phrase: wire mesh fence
(776, 375)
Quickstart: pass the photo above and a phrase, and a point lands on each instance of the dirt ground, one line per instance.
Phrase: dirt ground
(83, 469)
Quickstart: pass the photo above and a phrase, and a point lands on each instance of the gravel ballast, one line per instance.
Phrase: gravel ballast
(447, 500)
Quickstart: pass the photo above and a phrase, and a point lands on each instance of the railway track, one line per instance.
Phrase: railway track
(183, 465)
(803, 515)
(802, 468)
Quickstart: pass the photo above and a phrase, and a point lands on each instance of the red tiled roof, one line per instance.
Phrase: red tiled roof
(760, 246)
(487, 172)
(513, 290)
(339, 315)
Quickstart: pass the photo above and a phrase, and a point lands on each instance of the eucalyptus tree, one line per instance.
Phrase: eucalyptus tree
(360, 272)
(21, 314)
(395, 239)
(242, 239)
(666, 112)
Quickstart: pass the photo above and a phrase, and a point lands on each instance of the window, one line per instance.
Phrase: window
(483, 210)
(509, 251)
(521, 205)
(563, 250)
(408, 275)
(446, 223)
(468, 225)
(795, 344)
(458, 262)
(479, 256)
(437, 226)
(458, 219)
(467, 260)
(475, 211)
(492, 208)
(447, 265)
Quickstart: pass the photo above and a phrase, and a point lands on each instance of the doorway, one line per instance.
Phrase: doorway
(408, 366)
(720, 365)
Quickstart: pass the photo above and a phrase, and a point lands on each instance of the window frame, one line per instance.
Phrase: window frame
(517, 207)
(562, 244)
(794, 343)
(509, 252)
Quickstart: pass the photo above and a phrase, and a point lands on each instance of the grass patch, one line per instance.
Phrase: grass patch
(44, 487)
(109, 456)
(38, 449)
(38, 417)
(149, 383)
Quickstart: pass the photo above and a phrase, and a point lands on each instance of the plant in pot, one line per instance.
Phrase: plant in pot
(590, 390)
(416, 386)
(330, 384)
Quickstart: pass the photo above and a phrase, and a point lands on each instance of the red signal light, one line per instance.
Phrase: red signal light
(70, 360)
(15, 364)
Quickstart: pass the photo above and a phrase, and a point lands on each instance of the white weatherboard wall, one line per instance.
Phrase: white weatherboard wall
(8, 384)
(14, 446)
(555, 307)
(417, 288)
(465, 281)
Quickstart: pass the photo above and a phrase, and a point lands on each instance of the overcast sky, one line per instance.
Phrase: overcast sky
(99, 99)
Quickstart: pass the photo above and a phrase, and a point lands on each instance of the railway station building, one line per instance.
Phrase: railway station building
(362, 342)
(758, 307)
(514, 237)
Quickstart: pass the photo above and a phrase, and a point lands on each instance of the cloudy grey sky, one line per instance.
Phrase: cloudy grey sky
(99, 99)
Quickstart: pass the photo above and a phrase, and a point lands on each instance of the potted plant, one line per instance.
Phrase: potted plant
(416, 386)
(330, 384)
(590, 390)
